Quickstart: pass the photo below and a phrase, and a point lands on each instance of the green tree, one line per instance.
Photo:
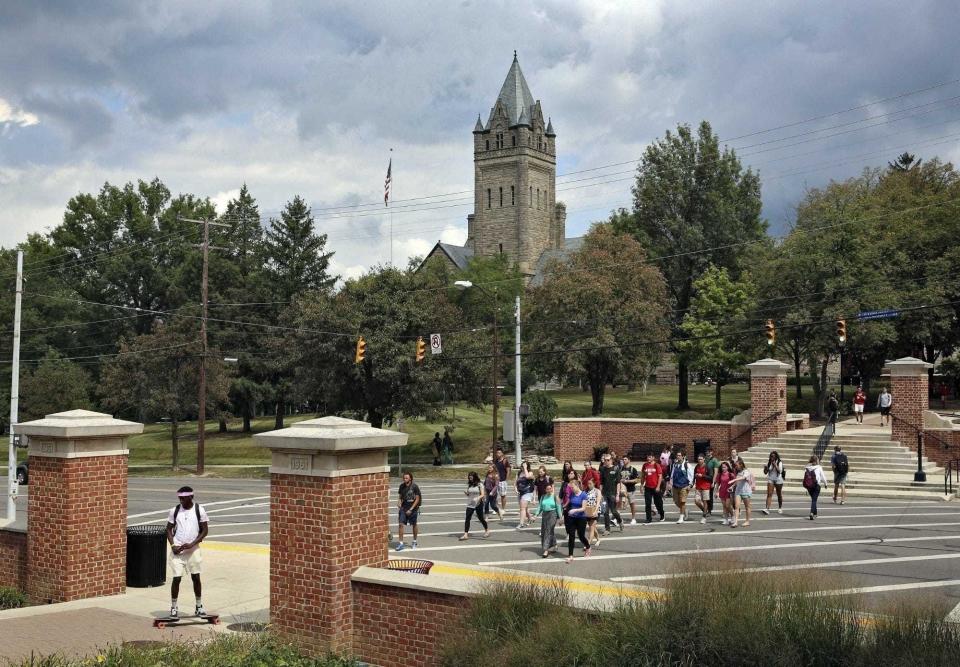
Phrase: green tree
(720, 305)
(598, 314)
(55, 385)
(694, 206)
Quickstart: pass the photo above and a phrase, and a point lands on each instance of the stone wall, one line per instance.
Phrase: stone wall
(13, 558)
(575, 439)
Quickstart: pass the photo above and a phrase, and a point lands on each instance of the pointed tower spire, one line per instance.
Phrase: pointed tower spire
(515, 93)
(549, 131)
(479, 126)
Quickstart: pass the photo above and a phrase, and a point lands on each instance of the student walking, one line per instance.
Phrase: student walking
(722, 484)
(666, 461)
(833, 407)
(476, 494)
(187, 526)
(885, 402)
(652, 473)
(437, 445)
(502, 464)
(491, 486)
(859, 402)
(577, 522)
(776, 474)
(681, 478)
(713, 465)
(447, 448)
(610, 488)
(548, 509)
(813, 480)
(591, 510)
(566, 492)
(701, 487)
(589, 472)
(841, 467)
(409, 501)
(630, 476)
(525, 490)
(542, 481)
(742, 494)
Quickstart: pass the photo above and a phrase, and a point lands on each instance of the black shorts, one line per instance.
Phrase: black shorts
(885, 411)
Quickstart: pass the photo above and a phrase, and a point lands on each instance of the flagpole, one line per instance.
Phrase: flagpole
(391, 210)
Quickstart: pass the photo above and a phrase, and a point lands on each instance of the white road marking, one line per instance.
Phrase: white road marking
(953, 616)
(205, 505)
(791, 566)
(892, 587)
(690, 552)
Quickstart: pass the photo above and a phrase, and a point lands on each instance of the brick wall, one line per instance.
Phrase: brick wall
(395, 625)
(575, 439)
(909, 402)
(767, 396)
(933, 445)
(317, 539)
(13, 559)
(77, 512)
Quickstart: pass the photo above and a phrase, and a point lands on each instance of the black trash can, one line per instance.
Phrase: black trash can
(146, 556)
(700, 446)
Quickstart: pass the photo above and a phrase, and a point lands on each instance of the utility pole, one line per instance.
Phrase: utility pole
(517, 426)
(496, 376)
(202, 392)
(12, 487)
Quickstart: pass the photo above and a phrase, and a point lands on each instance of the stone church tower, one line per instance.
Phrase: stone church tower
(515, 171)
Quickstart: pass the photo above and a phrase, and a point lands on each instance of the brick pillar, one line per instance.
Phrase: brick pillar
(77, 506)
(329, 495)
(909, 384)
(768, 395)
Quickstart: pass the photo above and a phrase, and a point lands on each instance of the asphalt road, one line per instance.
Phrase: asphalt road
(889, 550)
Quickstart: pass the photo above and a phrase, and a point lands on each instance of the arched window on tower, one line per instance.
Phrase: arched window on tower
(500, 246)
(538, 197)
(488, 197)
(488, 144)
(501, 197)
(513, 196)
(530, 199)
(514, 139)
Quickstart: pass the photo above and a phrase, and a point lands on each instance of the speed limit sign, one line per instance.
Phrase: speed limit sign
(436, 345)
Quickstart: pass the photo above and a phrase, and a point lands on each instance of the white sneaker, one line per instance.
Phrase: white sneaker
(200, 611)
(780, 511)
(703, 520)
(633, 522)
(174, 612)
(765, 510)
(680, 520)
(413, 545)
(726, 522)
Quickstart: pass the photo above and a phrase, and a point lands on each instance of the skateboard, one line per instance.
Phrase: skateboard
(212, 619)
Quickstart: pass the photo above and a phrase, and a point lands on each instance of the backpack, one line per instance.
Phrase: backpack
(680, 477)
(809, 479)
(843, 465)
(176, 512)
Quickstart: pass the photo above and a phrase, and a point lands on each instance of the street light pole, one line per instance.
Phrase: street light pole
(496, 374)
(12, 486)
(517, 425)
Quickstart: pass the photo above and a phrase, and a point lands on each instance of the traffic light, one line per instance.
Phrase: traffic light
(421, 350)
(361, 352)
(770, 332)
(842, 331)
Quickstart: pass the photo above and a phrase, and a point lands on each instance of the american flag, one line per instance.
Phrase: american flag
(386, 184)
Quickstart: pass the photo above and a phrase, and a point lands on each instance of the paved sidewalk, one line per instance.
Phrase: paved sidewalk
(236, 586)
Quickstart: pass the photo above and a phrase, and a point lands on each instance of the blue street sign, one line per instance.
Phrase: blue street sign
(878, 314)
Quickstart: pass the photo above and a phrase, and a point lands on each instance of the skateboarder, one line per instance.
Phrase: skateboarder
(187, 526)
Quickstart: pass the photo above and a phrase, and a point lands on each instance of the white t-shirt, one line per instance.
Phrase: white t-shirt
(187, 528)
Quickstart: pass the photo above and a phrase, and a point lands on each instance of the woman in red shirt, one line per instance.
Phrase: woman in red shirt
(652, 474)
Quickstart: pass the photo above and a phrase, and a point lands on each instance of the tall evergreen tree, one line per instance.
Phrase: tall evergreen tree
(295, 255)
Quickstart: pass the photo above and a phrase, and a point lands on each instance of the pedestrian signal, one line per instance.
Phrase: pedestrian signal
(842, 331)
(421, 350)
(770, 332)
(361, 352)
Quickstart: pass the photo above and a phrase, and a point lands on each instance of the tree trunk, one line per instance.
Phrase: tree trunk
(683, 400)
(719, 386)
(246, 422)
(821, 399)
(278, 421)
(175, 442)
(223, 425)
(596, 394)
(796, 369)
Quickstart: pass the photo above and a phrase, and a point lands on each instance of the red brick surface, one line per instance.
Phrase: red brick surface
(909, 402)
(768, 395)
(576, 440)
(77, 511)
(321, 530)
(400, 626)
(13, 559)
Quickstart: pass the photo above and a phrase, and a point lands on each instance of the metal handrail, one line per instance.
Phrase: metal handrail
(753, 427)
(823, 442)
(952, 470)
(926, 434)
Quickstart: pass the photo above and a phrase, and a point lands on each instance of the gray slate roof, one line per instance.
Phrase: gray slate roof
(459, 255)
(515, 94)
(569, 246)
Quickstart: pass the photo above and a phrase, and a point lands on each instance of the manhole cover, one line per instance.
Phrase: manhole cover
(145, 643)
(247, 627)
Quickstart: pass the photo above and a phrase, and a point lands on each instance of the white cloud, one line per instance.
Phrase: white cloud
(222, 198)
(9, 115)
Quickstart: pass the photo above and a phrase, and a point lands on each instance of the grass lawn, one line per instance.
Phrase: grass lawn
(471, 428)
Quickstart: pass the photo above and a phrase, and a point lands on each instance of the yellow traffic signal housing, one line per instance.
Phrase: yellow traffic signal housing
(421, 350)
(361, 352)
(842, 331)
(770, 332)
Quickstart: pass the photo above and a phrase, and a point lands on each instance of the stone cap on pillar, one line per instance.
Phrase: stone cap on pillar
(330, 447)
(768, 368)
(909, 366)
(78, 433)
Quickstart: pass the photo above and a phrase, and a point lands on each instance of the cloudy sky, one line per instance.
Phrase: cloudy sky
(308, 98)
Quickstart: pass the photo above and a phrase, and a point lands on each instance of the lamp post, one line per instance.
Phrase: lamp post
(465, 285)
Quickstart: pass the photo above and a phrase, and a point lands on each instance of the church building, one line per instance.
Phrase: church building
(515, 211)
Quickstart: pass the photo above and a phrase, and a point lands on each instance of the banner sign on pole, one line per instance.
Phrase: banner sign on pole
(878, 314)
(436, 345)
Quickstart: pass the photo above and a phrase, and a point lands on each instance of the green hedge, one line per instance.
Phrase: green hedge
(11, 598)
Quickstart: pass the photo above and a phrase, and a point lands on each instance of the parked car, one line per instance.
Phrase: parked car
(23, 473)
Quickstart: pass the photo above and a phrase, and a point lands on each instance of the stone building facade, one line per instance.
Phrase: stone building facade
(516, 212)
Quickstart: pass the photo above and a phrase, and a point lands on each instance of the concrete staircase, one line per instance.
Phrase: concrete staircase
(878, 465)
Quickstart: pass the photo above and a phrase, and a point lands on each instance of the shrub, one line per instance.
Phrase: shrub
(11, 598)
(725, 414)
(543, 410)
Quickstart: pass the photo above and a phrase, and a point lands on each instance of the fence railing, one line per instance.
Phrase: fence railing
(951, 477)
(753, 427)
(823, 442)
(919, 430)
